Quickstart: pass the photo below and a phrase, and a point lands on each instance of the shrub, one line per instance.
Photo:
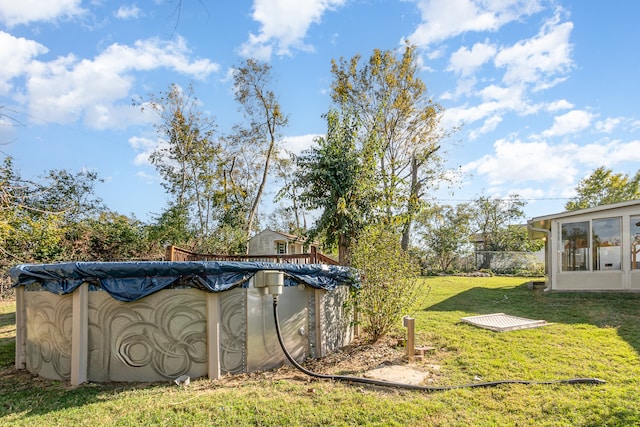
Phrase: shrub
(389, 281)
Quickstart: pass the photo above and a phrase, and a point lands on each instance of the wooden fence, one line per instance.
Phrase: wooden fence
(175, 253)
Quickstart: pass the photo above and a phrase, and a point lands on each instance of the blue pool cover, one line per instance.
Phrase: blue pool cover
(130, 281)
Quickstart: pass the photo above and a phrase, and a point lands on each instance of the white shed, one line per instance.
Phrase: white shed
(594, 249)
(269, 242)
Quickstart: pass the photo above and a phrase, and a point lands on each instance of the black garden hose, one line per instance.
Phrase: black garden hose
(412, 386)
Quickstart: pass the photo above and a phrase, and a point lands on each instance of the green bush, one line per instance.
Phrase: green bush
(389, 281)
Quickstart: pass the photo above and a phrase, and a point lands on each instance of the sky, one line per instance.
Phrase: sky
(541, 92)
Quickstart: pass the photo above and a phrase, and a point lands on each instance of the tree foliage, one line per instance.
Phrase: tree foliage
(36, 215)
(59, 218)
(188, 158)
(446, 231)
(290, 218)
(394, 105)
(338, 178)
(603, 187)
(171, 227)
(491, 218)
(109, 236)
(497, 225)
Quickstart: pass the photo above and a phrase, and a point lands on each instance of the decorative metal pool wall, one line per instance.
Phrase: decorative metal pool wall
(87, 335)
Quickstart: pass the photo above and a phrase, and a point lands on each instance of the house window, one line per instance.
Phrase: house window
(606, 243)
(635, 242)
(575, 244)
(281, 248)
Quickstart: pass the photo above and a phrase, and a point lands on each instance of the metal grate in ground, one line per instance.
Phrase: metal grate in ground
(501, 322)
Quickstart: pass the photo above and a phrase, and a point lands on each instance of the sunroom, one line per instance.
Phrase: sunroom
(594, 249)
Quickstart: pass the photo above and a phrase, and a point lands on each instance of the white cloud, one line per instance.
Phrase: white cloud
(464, 87)
(143, 146)
(128, 12)
(561, 104)
(14, 12)
(529, 65)
(517, 162)
(465, 61)
(572, 122)
(508, 98)
(120, 116)
(15, 55)
(284, 25)
(67, 88)
(148, 178)
(608, 125)
(558, 166)
(529, 193)
(443, 19)
(297, 144)
(496, 101)
(609, 154)
(489, 125)
(540, 59)
(456, 116)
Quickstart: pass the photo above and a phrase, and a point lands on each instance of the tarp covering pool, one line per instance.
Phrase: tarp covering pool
(130, 281)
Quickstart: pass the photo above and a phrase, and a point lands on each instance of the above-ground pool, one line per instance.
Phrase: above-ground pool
(153, 321)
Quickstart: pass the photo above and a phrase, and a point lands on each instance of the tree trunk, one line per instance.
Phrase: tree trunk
(344, 250)
(263, 183)
(412, 204)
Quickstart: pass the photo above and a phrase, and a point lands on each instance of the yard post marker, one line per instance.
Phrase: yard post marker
(409, 323)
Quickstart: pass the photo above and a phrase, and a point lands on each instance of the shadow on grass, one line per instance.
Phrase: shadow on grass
(7, 319)
(25, 395)
(7, 339)
(7, 352)
(618, 310)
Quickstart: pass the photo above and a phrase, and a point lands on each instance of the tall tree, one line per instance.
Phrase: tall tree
(261, 134)
(338, 177)
(497, 224)
(394, 104)
(491, 218)
(188, 159)
(603, 187)
(446, 231)
(294, 216)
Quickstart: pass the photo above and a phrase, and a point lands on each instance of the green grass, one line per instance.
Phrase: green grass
(591, 335)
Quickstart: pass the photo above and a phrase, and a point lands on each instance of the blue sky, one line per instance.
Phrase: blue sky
(544, 91)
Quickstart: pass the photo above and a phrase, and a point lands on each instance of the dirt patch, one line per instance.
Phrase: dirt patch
(383, 360)
(398, 374)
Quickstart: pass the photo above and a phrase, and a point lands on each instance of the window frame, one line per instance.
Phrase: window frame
(566, 252)
(597, 258)
(634, 242)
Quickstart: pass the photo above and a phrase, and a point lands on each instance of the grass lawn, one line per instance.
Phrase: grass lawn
(590, 335)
